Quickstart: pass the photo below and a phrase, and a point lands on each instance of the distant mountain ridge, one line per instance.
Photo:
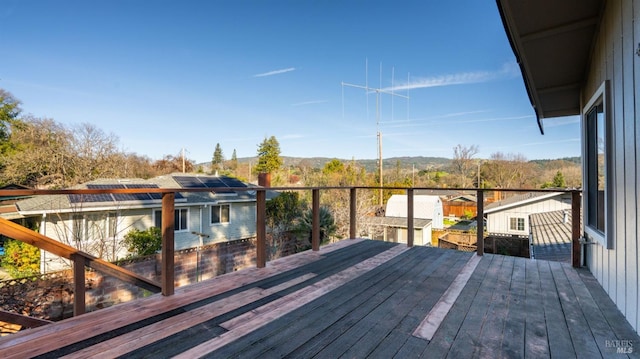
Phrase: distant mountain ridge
(371, 165)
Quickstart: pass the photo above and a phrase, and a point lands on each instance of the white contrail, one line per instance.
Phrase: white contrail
(507, 70)
(309, 103)
(275, 72)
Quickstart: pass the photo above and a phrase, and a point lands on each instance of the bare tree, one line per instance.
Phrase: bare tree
(95, 154)
(170, 164)
(463, 164)
(41, 149)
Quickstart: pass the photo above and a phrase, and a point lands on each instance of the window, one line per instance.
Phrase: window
(180, 219)
(220, 214)
(516, 224)
(596, 177)
(597, 139)
(112, 224)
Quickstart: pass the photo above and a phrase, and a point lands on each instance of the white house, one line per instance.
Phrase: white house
(97, 223)
(511, 215)
(394, 229)
(424, 207)
(583, 58)
(428, 215)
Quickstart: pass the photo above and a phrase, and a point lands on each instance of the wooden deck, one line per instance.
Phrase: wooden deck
(356, 298)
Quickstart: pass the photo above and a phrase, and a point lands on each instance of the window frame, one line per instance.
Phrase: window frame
(605, 237)
(157, 218)
(519, 220)
(220, 207)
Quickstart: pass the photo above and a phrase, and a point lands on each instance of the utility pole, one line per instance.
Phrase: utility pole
(184, 166)
(377, 91)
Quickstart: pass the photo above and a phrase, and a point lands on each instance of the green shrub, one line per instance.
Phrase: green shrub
(21, 259)
(143, 243)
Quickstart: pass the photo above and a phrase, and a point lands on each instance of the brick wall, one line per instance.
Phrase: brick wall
(51, 296)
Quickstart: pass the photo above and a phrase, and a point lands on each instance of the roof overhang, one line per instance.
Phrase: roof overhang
(552, 42)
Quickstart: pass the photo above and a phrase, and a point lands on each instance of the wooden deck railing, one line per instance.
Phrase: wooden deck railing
(82, 260)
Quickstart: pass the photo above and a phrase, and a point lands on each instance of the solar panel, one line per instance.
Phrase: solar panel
(137, 196)
(99, 197)
(212, 182)
(82, 198)
(131, 196)
(232, 182)
(216, 184)
(110, 197)
(189, 182)
(105, 186)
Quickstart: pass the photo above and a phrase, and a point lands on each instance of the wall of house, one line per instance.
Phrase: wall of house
(498, 222)
(50, 296)
(96, 227)
(615, 59)
(242, 224)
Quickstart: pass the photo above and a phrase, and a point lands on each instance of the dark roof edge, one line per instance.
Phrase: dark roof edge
(522, 70)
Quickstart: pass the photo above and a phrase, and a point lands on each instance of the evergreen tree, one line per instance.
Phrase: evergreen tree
(558, 180)
(269, 159)
(218, 158)
(234, 160)
(9, 111)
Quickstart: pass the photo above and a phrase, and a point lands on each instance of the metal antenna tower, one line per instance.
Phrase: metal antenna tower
(378, 91)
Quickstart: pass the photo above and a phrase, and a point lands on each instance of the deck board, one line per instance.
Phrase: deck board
(515, 322)
(468, 339)
(317, 322)
(537, 343)
(446, 334)
(583, 341)
(353, 299)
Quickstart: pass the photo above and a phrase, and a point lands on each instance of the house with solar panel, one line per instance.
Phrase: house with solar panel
(97, 223)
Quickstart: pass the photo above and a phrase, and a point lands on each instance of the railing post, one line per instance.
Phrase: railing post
(261, 228)
(410, 231)
(79, 306)
(315, 230)
(264, 181)
(575, 229)
(480, 223)
(352, 213)
(168, 243)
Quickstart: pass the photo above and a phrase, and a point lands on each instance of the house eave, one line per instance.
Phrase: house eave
(552, 42)
(523, 202)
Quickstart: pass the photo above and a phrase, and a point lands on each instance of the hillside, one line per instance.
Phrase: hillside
(369, 165)
(406, 162)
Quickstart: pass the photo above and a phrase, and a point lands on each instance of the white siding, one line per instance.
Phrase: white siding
(242, 225)
(614, 59)
(498, 222)
(424, 206)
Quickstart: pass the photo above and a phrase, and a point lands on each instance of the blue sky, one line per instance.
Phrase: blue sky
(167, 75)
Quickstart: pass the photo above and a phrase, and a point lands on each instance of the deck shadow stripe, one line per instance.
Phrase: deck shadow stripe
(288, 305)
(323, 312)
(428, 327)
(371, 248)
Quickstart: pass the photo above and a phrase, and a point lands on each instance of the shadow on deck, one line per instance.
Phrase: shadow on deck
(356, 298)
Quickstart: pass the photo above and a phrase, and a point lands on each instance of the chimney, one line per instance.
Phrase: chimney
(565, 216)
(264, 179)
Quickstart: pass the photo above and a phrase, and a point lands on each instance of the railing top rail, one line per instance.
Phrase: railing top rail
(33, 192)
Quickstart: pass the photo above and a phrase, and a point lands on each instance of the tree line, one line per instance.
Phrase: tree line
(42, 153)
